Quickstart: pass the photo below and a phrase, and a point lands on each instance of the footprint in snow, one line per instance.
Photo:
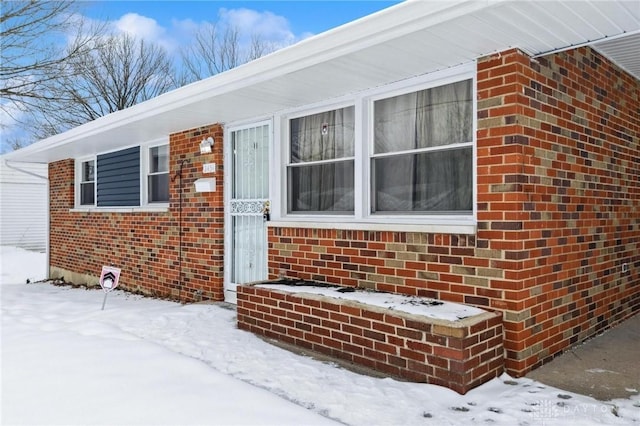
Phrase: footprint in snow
(495, 410)
(459, 409)
(564, 396)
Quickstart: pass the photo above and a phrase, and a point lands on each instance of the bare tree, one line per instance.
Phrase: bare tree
(216, 49)
(48, 88)
(31, 54)
(259, 47)
(120, 72)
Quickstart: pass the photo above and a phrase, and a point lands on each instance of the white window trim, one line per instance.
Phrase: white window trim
(145, 206)
(141, 209)
(78, 181)
(362, 218)
(145, 173)
(444, 227)
(286, 149)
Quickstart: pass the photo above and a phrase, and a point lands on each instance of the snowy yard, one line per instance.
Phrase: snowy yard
(153, 362)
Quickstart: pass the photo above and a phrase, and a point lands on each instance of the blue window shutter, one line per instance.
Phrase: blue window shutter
(118, 178)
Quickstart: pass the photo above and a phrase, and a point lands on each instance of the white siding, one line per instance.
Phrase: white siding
(23, 206)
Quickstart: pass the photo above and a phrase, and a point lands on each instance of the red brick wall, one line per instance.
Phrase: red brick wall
(558, 216)
(146, 244)
(559, 186)
(459, 355)
(449, 267)
(558, 211)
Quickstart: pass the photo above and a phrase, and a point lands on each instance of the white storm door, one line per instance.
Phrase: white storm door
(246, 230)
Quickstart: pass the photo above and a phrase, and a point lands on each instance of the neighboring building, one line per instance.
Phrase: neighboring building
(485, 153)
(23, 205)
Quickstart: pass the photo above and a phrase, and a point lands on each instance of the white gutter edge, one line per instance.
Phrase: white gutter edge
(6, 163)
(393, 22)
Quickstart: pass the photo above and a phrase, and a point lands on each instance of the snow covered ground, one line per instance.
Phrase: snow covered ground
(153, 362)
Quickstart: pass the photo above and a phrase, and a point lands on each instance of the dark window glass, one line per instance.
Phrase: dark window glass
(87, 184)
(321, 169)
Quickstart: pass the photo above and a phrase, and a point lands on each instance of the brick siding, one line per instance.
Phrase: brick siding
(145, 245)
(559, 187)
(557, 247)
(558, 212)
(457, 354)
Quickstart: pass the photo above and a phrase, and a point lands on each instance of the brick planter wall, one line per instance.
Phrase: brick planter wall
(457, 354)
(145, 245)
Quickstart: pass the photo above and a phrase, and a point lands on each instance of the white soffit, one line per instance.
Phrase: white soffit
(624, 51)
(409, 39)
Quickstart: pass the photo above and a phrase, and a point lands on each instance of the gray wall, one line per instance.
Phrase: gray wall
(23, 206)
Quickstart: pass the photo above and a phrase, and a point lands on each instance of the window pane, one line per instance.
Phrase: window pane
(158, 188)
(88, 171)
(428, 118)
(159, 159)
(439, 181)
(86, 193)
(322, 188)
(324, 136)
(250, 164)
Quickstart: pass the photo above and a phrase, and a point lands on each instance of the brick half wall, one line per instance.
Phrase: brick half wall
(457, 354)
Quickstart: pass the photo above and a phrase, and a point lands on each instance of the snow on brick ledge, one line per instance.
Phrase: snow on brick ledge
(459, 353)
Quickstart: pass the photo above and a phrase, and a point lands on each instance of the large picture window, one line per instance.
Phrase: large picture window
(158, 177)
(320, 172)
(422, 151)
(400, 156)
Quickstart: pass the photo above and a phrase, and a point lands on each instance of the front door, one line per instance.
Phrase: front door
(247, 196)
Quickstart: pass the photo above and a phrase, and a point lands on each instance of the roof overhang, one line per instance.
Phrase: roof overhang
(408, 39)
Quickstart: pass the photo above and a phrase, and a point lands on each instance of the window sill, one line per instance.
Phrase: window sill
(160, 208)
(462, 227)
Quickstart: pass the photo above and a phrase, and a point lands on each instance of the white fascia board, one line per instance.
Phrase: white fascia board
(376, 29)
(387, 24)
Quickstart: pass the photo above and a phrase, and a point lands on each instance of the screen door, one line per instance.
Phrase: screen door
(246, 236)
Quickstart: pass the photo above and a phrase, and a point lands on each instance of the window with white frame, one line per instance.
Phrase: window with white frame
(87, 182)
(158, 174)
(422, 151)
(397, 155)
(131, 177)
(320, 172)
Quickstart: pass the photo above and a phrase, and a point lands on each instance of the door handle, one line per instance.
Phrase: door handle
(266, 211)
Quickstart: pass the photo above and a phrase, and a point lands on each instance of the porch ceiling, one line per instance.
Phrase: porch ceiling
(406, 40)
